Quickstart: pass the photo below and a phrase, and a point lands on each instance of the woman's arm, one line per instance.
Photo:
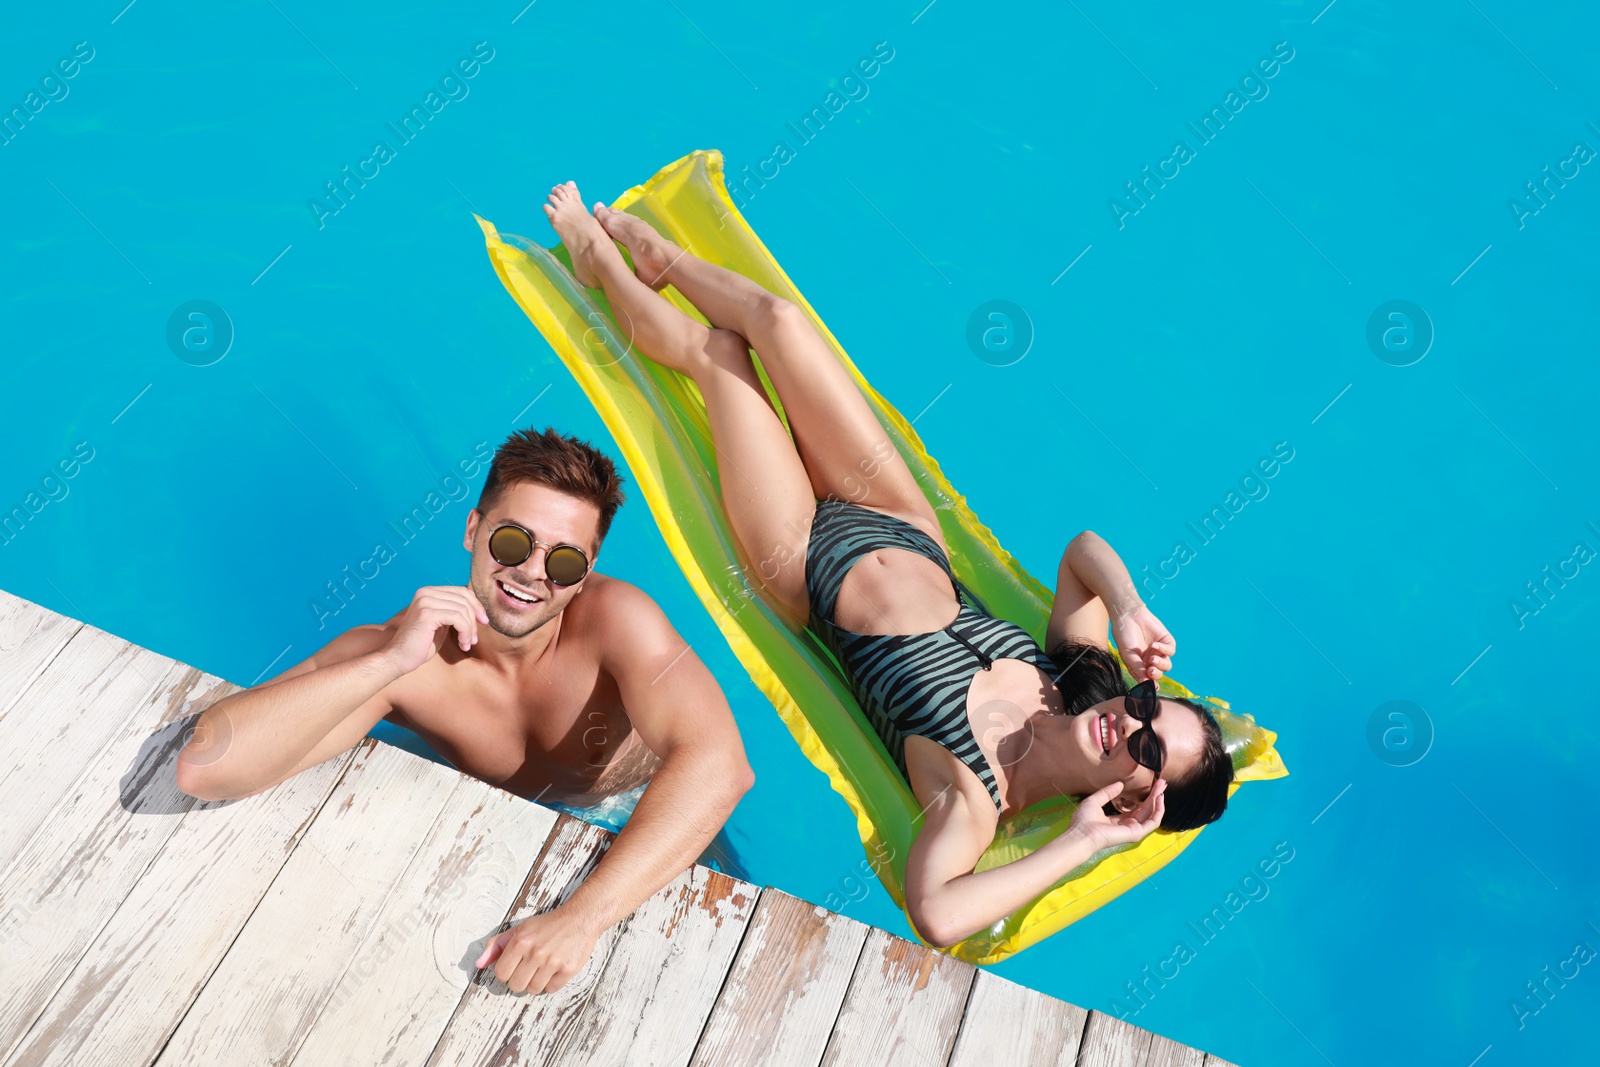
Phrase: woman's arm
(947, 901)
(1093, 588)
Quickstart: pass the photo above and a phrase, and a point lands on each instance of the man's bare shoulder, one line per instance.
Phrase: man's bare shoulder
(670, 697)
(621, 614)
(611, 599)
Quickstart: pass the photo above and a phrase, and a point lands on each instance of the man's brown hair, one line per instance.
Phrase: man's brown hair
(561, 462)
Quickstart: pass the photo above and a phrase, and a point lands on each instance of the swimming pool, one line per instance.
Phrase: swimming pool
(1404, 599)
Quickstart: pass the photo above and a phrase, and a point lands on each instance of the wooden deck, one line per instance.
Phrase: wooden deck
(335, 919)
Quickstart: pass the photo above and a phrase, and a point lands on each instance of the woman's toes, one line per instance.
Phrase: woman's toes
(560, 194)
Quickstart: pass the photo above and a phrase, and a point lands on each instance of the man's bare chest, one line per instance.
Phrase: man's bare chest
(556, 728)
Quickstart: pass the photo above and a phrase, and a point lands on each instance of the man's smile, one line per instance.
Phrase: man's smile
(516, 595)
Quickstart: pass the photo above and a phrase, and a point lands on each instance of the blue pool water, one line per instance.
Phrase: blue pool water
(1437, 860)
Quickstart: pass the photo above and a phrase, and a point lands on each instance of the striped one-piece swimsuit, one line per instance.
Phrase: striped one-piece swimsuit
(909, 683)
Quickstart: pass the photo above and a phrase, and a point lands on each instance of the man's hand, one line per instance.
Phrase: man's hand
(1144, 643)
(422, 629)
(1103, 831)
(540, 954)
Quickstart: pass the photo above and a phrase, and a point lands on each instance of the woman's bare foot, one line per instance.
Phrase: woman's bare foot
(652, 253)
(579, 231)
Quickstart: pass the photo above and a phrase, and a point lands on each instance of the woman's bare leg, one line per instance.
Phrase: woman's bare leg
(765, 491)
(846, 453)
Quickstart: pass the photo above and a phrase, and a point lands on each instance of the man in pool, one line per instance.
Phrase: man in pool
(542, 676)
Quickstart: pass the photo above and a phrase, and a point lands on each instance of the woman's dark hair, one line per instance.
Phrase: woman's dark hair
(1087, 674)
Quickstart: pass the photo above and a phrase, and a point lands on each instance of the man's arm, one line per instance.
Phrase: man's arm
(250, 741)
(680, 713)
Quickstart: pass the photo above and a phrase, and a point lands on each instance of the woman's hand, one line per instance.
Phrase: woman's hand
(1144, 643)
(1104, 831)
(948, 900)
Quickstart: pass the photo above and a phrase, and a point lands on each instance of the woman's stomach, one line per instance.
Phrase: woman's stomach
(895, 591)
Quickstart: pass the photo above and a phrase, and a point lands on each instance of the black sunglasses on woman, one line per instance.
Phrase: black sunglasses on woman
(1146, 748)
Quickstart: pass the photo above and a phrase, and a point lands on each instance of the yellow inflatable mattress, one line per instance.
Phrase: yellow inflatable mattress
(659, 422)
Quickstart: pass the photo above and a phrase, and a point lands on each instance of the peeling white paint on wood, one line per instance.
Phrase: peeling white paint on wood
(785, 988)
(1008, 1023)
(903, 1008)
(335, 918)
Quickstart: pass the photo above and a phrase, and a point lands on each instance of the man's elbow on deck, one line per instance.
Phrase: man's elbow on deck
(195, 781)
(191, 782)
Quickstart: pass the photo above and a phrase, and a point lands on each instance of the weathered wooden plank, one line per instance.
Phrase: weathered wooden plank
(1110, 1042)
(30, 637)
(64, 720)
(664, 973)
(785, 988)
(493, 1026)
(129, 991)
(904, 1006)
(280, 972)
(403, 984)
(335, 918)
(1009, 1023)
(70, 877)
(1216, 1061)
(1165, 1052)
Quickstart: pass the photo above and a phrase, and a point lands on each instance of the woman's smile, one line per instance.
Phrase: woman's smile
(1106, 731)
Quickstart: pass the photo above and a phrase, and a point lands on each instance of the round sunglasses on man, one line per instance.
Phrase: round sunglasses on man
(511, 546)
